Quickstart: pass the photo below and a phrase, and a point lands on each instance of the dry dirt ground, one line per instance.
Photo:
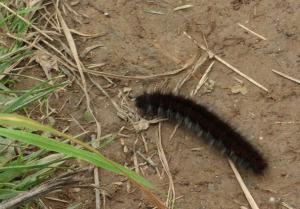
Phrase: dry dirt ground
(137, 41)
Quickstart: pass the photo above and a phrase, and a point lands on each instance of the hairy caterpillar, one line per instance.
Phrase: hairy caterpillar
(205, 124)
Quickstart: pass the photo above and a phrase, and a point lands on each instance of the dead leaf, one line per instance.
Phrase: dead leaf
(127, 89)
(141, 125)
(239, 88)
(46, 61)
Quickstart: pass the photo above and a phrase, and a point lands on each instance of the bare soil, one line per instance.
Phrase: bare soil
(138, 42)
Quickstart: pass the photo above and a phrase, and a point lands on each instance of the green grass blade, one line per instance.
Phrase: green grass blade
(8, 193)
(7, 175)
(29, 97)
(57, 146)
(32, 165)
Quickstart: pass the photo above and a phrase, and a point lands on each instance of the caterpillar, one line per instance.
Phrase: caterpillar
(205, 124)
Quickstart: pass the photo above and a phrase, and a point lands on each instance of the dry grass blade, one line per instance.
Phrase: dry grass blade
(243, 186)
(73, 48)
(67, 63)
(203, 79)
(151, 197)
(146, 77)
(80, 68)
(26, 21)
(116, 106)
(96, 65)
(286, 76)
(87, 35)
(286, 205)
(174, 131)
(187, 6)
(171, 193)
(10, 68)
(252, 32)
(14, 52)
(211, 54)
(88, 49)
(198, 64)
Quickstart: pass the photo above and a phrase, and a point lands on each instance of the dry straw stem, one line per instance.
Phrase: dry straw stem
(146, 77)
(97, 190)
(248, 195)
(226, 63)
(56, 200)
(116, 106)
(252, 32)
(80, 69)
(67, 63)
(171, 193)
(286, 76)
(151, 197)
(174, 131)
(286, 122)
(203, 79)
(95, 35)
(286, 205)
(10, 68)
(135, 160)
(202, 59)
(26, 21)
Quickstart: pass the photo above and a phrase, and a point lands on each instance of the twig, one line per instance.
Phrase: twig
(135, 160)
(243, 186)
(250, 31)
(226, 63)
(26, 21)
(97, 190)
(286, 76)
(97, 178)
